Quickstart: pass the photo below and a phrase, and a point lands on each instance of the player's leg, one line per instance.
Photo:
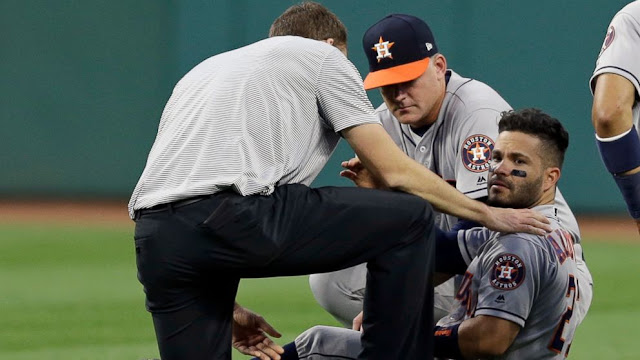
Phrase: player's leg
(443, 299)
(326, 342)
(341, 292)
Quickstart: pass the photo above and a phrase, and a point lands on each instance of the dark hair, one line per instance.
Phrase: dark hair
(310, 20)
(549, 130)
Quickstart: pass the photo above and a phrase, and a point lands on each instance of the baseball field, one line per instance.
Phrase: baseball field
(68, 288)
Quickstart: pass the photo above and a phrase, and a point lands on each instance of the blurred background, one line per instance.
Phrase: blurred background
(83, 87)
(85, 82)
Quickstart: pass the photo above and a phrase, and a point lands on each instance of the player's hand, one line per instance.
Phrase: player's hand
(638, 224)
(357, 322)
(356, 172)
(517, 220)
(250, 332)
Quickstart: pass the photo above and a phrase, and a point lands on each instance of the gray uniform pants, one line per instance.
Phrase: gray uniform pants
(341, 293)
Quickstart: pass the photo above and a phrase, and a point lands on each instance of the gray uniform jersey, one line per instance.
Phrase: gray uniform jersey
(620, 52)
(458, 145)
(530, 280)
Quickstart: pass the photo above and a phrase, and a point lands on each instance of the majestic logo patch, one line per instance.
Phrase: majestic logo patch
(508, 272)
(608, 39)
(476, 153)
(382, 47)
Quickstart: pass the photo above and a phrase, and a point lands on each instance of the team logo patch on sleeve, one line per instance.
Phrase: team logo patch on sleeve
(476, 152)
(508, 272)
(608, 39)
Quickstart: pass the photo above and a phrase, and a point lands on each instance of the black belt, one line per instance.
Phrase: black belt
(170, 206)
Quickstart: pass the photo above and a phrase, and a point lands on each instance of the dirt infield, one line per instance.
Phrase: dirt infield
(114, 213)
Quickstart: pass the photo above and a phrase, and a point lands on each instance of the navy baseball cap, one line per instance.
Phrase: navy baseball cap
(398, 48)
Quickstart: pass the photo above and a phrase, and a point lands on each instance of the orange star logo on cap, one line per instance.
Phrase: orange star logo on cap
(382, 47)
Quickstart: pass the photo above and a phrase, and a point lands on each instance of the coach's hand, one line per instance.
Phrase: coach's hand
(360, 176)
(517, 220)
(250, 332)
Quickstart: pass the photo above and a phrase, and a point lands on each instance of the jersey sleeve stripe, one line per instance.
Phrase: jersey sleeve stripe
(619, 71)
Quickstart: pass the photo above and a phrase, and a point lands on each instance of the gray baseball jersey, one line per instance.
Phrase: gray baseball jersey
(471, 240)
(530, 280)
(620, 52)
(458, 145)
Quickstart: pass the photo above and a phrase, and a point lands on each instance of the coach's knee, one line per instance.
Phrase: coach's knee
(340, 300)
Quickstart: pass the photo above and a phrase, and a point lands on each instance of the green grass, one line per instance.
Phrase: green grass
(72, 293)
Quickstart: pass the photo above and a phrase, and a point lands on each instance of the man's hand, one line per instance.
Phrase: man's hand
(517, 220)
(250, 335)
(357, 322)
(360, 176)
(638, 224)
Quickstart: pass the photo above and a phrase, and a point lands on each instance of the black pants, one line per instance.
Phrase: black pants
(190, 260)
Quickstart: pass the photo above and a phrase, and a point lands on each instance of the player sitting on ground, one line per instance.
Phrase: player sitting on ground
(520, 296)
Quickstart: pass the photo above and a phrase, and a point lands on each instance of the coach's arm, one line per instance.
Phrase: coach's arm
(380, 155)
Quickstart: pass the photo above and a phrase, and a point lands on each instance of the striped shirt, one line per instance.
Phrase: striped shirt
(253, 118)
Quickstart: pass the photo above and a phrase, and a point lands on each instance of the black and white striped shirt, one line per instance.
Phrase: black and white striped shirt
(251, 119)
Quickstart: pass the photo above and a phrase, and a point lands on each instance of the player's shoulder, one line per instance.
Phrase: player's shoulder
(470, 95)
(631, 9)
(531, 243)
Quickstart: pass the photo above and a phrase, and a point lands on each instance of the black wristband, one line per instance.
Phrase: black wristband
(446, 342)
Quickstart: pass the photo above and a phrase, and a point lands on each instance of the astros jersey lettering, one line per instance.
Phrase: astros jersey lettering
(620, 52)
(529, 280)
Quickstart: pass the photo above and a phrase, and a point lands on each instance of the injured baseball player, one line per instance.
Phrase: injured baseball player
(521, 297)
